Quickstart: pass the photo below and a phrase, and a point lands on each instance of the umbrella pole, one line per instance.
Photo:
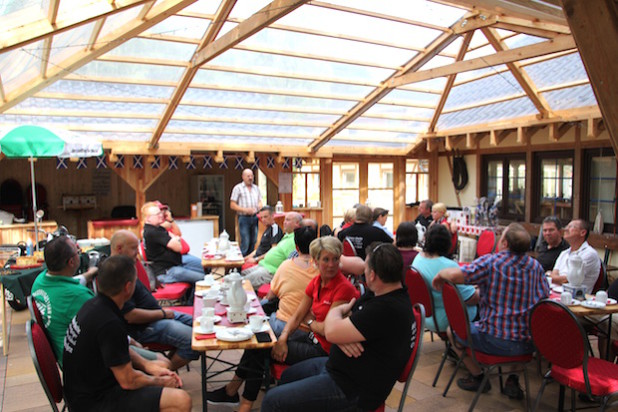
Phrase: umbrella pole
(36, 225)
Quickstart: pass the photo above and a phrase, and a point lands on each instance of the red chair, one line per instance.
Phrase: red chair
(35, 313)
(408, 370)
(348, 248)
(45, 364)
(263, 290)
(460, 324)
(420, 292)
(167, 293)
(486, 243)
(561, 339)
(601, 283)
(615, 349)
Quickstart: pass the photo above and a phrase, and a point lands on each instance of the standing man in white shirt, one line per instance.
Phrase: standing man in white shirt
(246, 201)
(576, 234)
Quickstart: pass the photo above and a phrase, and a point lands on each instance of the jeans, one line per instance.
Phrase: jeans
(181, 274)
(175, 332)
(307, 386)
(487, 343)
(248, 228)
(192, 263)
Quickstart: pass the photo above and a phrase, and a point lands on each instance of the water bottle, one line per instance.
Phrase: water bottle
(279, 207)
(29, 247)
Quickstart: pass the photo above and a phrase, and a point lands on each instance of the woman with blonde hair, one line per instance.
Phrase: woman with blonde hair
(440, 217)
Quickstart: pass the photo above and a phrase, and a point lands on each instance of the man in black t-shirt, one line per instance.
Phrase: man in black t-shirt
(271, 236)
(362, 233)
(100, 374)
(552, 243)
(424, 213)
(163, 249)
(370, 348)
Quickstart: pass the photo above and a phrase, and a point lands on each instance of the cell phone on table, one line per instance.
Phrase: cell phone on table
(263, 337)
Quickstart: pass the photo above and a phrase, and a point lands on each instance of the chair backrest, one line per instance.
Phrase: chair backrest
(35, 313)
(142, 250)
(601, 283)
(418, 290)
(348, 248)
(408, 371)
(455, 311)
(486, 243)
(558, 335)
(44, 363)
(142, 275)
(454, 242)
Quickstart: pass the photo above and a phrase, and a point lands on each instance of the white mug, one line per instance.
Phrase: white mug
(256, 322)
(209, 312)
(601, 296)
(566, 298)
(207, 323)
(209, 301)
(209, 279)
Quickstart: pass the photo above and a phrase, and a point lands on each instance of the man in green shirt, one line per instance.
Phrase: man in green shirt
(266, 268)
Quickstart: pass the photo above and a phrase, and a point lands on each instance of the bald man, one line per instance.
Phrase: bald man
(246, 201)
(147, 322)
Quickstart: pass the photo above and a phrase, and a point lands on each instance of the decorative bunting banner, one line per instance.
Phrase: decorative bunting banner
(207, 162)
(270, 162)
(81, 163)
(286, 163)
(298, 162)
(120, 162)
(239, 165)
(256, 164)
(173, 163)
(156, 163)
(138, 162)
(223, 164)
(191, 163)
(101, 163)
(61, 163)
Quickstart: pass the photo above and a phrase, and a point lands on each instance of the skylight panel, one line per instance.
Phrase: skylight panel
(203, 7)
(133, 71)
(571, 97)
(241, 128)
(68, 43)
(154, 49)
(17, 13)
(180, 26)
(20, 66)
(400, 111)
(501, 111)
(218, 139)
(185, 110)
(246, 8)
(116, 21)
(414, 98)
(91, 106)
(522, 40)
(397, 126)
(104, 90)
(68, 121)
(560, 70)
(498, 86)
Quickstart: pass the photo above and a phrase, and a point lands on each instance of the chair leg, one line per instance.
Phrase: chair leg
(448, 386)
(500, 379)
(561, 399)
(573, 398)
(527, 385)
(486, 373)
(444, 356)
(540, 394)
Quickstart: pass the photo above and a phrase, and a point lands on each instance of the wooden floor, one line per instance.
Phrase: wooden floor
(20, 389)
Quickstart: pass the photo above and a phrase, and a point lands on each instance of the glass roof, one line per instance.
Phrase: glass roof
(287, 85)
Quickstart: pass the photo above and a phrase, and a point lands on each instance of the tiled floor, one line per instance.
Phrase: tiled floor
(20, 389)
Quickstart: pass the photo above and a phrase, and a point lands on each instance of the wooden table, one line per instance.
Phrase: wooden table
(204, 345)
(222, 262)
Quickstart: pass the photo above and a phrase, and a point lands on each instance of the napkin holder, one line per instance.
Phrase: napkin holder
(237, 316)
(578, 292)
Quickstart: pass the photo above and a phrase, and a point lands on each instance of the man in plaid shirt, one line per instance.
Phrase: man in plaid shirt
(510, 283)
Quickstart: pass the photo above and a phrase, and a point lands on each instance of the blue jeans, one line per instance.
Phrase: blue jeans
(301, 345)
(181, 274)
(175, 332)
(248, 228)
(307, 386)
(492, 345)
(192, 263)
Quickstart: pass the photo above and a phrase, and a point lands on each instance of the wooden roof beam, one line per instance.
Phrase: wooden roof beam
(556, 130)
(112, 40)
(96, 32)
(45, 53)
(595, 126)
(2, 93)
(519, 74)
(560, 43)
(38, 30)
(52, 13)
(146, 9)
(214, 28)
(262, 18)
(449, 82)
(519, 8)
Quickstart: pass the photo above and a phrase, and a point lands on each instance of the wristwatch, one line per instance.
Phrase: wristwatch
(309, 322)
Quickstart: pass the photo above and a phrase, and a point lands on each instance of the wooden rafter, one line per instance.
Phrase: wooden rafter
(52, 13)
(449, 82)
(531, 27)
(594, 127)
(519, 74)
(96, 31)
(558, 44)
(2, 94)
(113, 39)
(225, 8)
(557, 130)
(45, 53)
(270, 13)
(146, 9)
(522, 9)
(37, 30)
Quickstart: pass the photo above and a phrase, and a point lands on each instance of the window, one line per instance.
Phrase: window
(599, 186)
(380, 188)
(262, 182)
(504, 181)
(306, 185)
(554, 186)
(345, 189)
(417, 180)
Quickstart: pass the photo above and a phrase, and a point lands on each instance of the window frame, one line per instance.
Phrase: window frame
(588, 154)
(537, 183)
(504, 206)
(417, 174)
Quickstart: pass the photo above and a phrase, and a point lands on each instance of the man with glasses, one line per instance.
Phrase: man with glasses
(552, 243)
(163, 249)
(576, 233)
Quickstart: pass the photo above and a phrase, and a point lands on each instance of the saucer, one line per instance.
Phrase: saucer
(574, 302)
(204, 283)
(234, 334)
(217, 319)
(610, 301)
(265, 327)
(202, 331)
(593, 304)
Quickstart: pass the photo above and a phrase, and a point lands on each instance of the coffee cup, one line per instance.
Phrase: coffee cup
(601, 296)
(207, 324)
(209, 301)
(566, 298)
(256, 322)
(209, 312)
(209, 279)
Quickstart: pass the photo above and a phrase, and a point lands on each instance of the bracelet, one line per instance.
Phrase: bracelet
(164, 314)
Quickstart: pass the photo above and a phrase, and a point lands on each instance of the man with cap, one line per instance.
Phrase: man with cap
(379, 220)
(362, 233)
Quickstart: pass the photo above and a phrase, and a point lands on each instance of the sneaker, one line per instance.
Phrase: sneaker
(473, 383)
(512, 388)
(220, 397)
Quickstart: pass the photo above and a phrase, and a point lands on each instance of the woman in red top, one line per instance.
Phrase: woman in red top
(324, 292)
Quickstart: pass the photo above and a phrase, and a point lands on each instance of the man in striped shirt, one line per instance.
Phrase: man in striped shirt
(246, 201)
(510, 283)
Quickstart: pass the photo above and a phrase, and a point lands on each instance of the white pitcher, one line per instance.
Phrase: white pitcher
(236, 296)
(224, 241)
(575, 274)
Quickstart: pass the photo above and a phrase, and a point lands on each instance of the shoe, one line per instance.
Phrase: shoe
(220, 397)
(512, 389)
(473, 383)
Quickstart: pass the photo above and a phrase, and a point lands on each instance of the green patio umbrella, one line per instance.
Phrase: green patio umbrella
(32, 141)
